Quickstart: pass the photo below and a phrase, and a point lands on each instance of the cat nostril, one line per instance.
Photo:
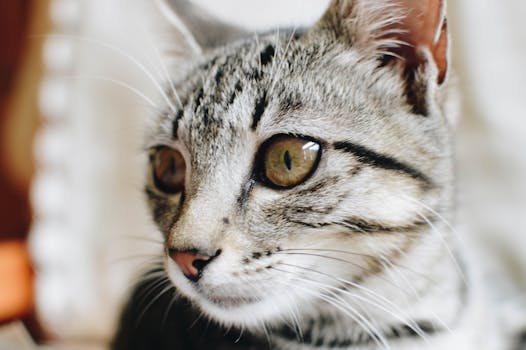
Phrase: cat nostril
(191, 263)
(200, 264)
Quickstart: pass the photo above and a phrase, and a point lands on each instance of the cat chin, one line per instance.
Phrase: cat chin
(249, 315)
(244, 312)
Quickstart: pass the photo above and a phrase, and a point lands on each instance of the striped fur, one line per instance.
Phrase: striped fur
(359, 256)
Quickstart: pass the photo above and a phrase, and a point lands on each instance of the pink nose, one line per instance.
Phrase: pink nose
(191, 263)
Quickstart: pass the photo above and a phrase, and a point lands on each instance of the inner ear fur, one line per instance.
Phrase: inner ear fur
(411, 35)
(423, 27)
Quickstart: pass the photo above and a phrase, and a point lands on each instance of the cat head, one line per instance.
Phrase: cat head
(295, 162)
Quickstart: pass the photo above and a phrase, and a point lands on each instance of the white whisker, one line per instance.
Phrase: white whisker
(275, 74)
(446, 246)
(116, 82)
(340, 304)
(411, 323)
(174, 298)
(333, 258)
(125, 55)
(164, 69)
(415, 292)
(153, 300)
(346, 252)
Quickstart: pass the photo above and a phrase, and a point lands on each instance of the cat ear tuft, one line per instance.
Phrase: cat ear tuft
(398, 29)
(424, 31)
(410, 34)
(200, 29)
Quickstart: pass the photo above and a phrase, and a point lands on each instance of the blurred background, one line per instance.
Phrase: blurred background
(76, 81)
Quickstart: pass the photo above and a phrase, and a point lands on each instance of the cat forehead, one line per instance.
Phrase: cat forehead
(289, 72)
(287, 84)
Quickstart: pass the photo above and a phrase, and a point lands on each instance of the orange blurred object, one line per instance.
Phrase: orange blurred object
(16, 287)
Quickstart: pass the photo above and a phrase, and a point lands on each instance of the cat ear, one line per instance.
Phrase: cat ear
(200, 29)
(409, 34)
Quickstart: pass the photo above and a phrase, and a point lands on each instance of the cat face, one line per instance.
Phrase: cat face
(294, 164)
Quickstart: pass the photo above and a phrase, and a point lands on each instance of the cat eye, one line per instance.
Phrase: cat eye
(168, 168)
(288, 160)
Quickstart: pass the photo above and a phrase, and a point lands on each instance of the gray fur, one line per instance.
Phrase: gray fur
(385, 209)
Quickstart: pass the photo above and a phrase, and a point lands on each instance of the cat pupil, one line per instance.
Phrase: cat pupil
(288, 160)
(172, 166)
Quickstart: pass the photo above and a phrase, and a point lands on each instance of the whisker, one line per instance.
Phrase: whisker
(435, 229)
(393, 266)
(295, 320)
(256, 39)
(207, 326)
(149, 257)
(174, 298)
(153, 275)
(164, 70)
(200, 316)
(118, 83)
(163, 280)
(416, 294)
(348, 310)
(251, 284)
(446, 246)
(267, 334)
(346, 262)
(164, 291)
(346, 252)
(123, 54)
(282, 59)
(294, 314)
(412, 324)
(142, 239)
(324, 256)
(241, 331)
(328, 250)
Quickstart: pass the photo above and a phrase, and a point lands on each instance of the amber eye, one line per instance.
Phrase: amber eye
(288, 160)
(169, 169)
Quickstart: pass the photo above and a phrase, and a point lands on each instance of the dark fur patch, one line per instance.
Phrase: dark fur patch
(219, 75)
(290, 104)
(209, 64)
(364, 226)
(256, 75)
(245, 193)
(391, 333)
(259, 109)
(175, 123)
(358, 225)
(416, 92)
(198, 98)
(267, 55)
(238, 88)
(169, 321)
(162, 210)
(374, 159)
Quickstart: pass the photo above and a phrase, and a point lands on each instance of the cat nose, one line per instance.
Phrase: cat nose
(191, 262)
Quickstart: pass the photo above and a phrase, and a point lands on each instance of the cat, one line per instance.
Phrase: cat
(302, 181)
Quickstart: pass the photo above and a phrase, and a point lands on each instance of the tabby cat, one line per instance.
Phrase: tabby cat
(302, 181)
